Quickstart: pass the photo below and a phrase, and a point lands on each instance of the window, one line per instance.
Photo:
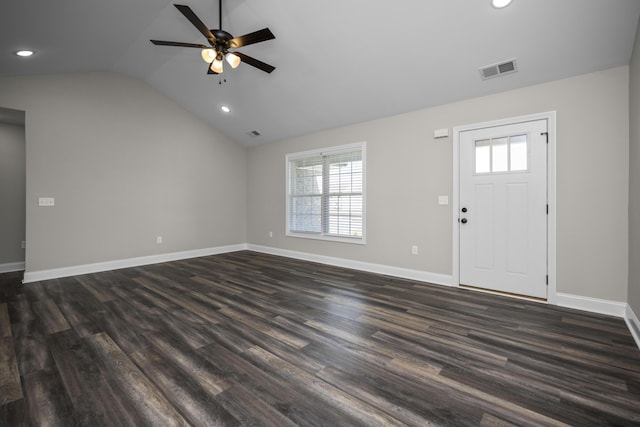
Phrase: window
(325, 193)
(506, 154)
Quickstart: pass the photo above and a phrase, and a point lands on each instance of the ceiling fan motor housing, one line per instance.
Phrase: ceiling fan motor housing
(221, 44)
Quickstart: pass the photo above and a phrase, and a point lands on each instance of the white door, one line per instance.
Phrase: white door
(503, 208)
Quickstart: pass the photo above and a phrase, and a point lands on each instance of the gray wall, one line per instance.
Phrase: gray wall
(634, 179)
(125, 164)
(12, 193)
(408, 169)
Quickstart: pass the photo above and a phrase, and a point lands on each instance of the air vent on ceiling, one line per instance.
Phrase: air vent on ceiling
(495, 70)
(253, 133)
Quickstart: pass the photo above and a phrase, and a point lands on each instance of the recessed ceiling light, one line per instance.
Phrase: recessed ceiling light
(24, 53)
(225, 108)
(499, 4)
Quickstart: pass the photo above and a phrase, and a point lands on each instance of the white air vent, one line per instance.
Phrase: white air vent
(495, 70)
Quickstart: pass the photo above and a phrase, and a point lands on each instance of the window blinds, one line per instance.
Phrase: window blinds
(326, 194)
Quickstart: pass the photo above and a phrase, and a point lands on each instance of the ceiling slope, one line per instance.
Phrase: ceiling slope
(338, 62)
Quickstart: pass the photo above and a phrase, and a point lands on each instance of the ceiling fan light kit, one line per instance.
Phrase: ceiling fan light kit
(216, 66)
(208, 55)
(499, 4)
(233, 60)
(220, 43)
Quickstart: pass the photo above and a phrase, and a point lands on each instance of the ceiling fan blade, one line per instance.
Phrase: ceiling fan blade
(251, 38)
(179, 44)
(255, 62)
(191, 16)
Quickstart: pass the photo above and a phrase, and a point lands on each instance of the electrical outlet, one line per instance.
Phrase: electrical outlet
(159, 239)
(271, 234)
(414, 250)
(23, 244)
(46, 201)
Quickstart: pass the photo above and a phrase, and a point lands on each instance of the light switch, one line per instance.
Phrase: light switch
(46, 201)
(443, 200)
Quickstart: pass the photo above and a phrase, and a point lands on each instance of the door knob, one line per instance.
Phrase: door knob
(463, 220)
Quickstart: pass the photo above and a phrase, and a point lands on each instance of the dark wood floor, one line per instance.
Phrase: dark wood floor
(253, 339)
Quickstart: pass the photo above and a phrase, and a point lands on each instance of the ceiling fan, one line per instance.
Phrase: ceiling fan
(221, 43)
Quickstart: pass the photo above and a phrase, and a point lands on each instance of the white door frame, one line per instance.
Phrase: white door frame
(551, 194)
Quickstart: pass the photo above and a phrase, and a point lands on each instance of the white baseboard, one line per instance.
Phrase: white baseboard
(56, 273)
(11, 266)
(633, 324)
(594, 305)
(405, 273)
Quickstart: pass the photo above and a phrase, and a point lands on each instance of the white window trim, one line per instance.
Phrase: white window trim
(362, 146)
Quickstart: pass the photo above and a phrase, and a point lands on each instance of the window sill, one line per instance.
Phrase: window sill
(352, 240)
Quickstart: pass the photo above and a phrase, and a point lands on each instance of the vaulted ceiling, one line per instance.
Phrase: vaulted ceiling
(338, 62)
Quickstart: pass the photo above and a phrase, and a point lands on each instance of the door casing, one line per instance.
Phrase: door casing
(551, 194)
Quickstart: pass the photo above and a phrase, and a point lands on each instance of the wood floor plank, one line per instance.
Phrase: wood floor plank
(14, 414)
(246, 338)
(227, 335)
(297, 403)
(30, 345)
(47, 401)
(535, 394)
(197, 404)
(250, 410)
(277, 347)
(5, 323)
(489, 420)
(177, 299)
(322, 390)
(456, 342)
(10, 387)
(257, 324)
(50, 316)
(141, 392)
(20, 309)
(96, 288)
(426, 409)
(190, 364)
(91, 395)
(367, 376)
(193, 334)
(35, 292)
(119, 330)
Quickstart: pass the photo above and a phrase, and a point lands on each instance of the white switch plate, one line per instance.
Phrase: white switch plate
(443, 200)
(414, 250)
(159, 239)
(46, 201)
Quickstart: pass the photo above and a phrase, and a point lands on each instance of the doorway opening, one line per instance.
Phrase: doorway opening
(12, 191)
(504, 217)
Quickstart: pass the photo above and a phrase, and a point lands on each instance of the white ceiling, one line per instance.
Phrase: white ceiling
(338, 61)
